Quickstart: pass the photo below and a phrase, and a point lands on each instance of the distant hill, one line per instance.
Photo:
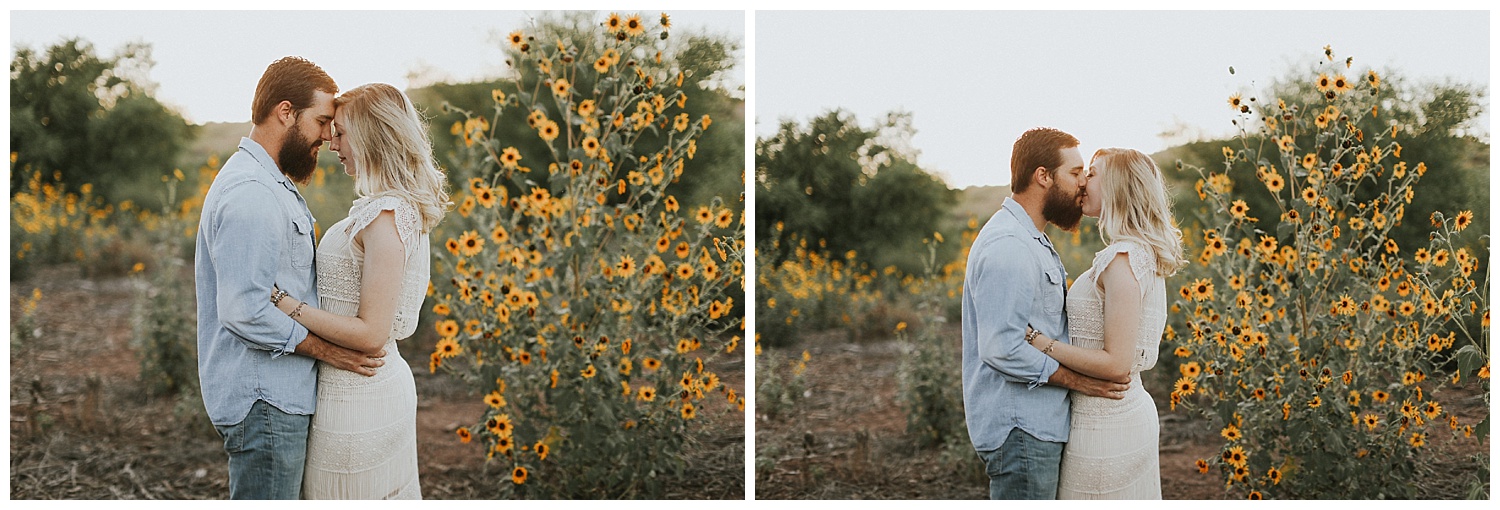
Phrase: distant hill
(220, 138)
(978, 202)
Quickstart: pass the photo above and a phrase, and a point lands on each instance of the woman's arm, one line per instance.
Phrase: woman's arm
(1122, 322)
(379, 292)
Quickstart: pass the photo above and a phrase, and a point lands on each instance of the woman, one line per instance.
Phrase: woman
(1117, 310)
(363, 442)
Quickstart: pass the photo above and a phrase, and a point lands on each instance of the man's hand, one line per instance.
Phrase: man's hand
(348, 359)
(1088, 385)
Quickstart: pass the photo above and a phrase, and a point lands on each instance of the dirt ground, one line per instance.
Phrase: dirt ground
(82, 429)
(846, 438)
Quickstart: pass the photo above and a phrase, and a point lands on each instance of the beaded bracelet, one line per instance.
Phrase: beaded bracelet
(1031, 336)
(276, 297)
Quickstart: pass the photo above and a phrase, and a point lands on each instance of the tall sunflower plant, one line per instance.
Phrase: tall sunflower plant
(591, 309)
(1327, 355)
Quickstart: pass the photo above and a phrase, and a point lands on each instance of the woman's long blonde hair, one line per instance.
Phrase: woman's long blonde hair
(392, 151)
(1136, 206)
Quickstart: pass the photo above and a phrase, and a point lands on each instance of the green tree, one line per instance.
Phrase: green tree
(849, 186)
(703, 59)
(91, 118)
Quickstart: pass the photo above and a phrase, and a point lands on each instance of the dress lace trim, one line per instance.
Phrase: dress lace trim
(1142, 262)
(366, 209)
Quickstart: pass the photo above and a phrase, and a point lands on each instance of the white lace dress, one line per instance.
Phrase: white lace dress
(363, 443)
(1112, 448)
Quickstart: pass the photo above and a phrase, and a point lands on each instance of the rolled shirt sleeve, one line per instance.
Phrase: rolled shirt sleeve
(246, 252)
(1004, 288)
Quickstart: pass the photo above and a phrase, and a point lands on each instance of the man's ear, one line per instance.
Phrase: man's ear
(285, 113)
(1042, 177)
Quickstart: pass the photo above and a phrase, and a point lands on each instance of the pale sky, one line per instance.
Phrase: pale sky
(974, 81)
(207, 62)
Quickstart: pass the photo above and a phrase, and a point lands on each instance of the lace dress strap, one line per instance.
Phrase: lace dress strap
(408, 221)
(1142, 263)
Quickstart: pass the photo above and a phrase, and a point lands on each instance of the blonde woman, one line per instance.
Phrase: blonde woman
(1117, 310)
(363, 443)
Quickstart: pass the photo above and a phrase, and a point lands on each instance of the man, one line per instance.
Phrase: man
(256, 365)
(1015, 396)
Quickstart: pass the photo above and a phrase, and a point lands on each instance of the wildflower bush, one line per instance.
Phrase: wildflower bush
(588, 308)
(929, 381)
(1321, 345)
(814, 290)
(50, 224)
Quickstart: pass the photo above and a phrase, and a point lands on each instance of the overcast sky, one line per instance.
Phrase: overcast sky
(974, 81)
(207, 62)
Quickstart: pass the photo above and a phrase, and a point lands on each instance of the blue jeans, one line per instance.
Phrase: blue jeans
(1024, 467)
(266, 453)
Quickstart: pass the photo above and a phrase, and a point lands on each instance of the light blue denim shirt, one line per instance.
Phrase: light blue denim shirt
(255, 231)
(1014, 278)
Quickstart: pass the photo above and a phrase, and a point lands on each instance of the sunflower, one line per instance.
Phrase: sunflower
(548, 131)
(561, 87)
(684, 270)
(633, 26)
(1309, 160)
(1309, 195)
(1285, 143)
(1432, 409)
(666, 21)
(1202, 289)
(704, 215)
(542, 450)
(469, 244)
(1184, 386)
(1202, 466)
(510, 157)
(1259, 393)
(613, 24)
(1235, 456)
(518, 475)
(591, 147)
(626, 266)
(516, 40)
(1235, 102)
(1231, 433)
(463, 435)
(688, 411)
(1342, 84)
(670, 203)
(495, 400)
(1422, 256)
(1190, 369)
(681, 122)
(447, 329)
(1462, 220)
(441, 309)
(646, 394)
(1274, 182)
(706, 120)
(651, 364)
(1418, 440)
(1238, 209)
(683, 250)
(723, 219)
(589, 372)
(1324, 83)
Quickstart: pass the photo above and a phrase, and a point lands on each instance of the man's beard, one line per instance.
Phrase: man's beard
(297, 157)
(1062, 209)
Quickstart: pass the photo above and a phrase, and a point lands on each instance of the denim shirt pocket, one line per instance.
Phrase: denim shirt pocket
(301, 242)
(1052, 291)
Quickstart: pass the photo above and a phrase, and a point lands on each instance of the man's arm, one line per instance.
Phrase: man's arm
(1088, 385)
(246, 248)
(1003, 290)
(348, 359)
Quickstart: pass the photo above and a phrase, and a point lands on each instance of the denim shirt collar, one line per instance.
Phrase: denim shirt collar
(266, 163)
(1015, 210)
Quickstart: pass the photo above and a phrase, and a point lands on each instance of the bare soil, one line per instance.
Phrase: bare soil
(81, 426)
(846, 438)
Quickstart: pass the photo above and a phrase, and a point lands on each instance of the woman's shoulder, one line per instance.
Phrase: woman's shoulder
(1140, 256)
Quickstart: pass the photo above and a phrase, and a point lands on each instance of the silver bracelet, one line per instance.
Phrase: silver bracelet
(276, 297)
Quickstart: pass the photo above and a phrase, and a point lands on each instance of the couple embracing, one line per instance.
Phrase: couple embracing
(297, 354)
(1032, 345)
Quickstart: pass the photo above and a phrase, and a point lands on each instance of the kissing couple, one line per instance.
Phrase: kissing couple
(1051, 373)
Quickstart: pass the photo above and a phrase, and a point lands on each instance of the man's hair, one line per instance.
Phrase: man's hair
(291, 79)
(1038, 147)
